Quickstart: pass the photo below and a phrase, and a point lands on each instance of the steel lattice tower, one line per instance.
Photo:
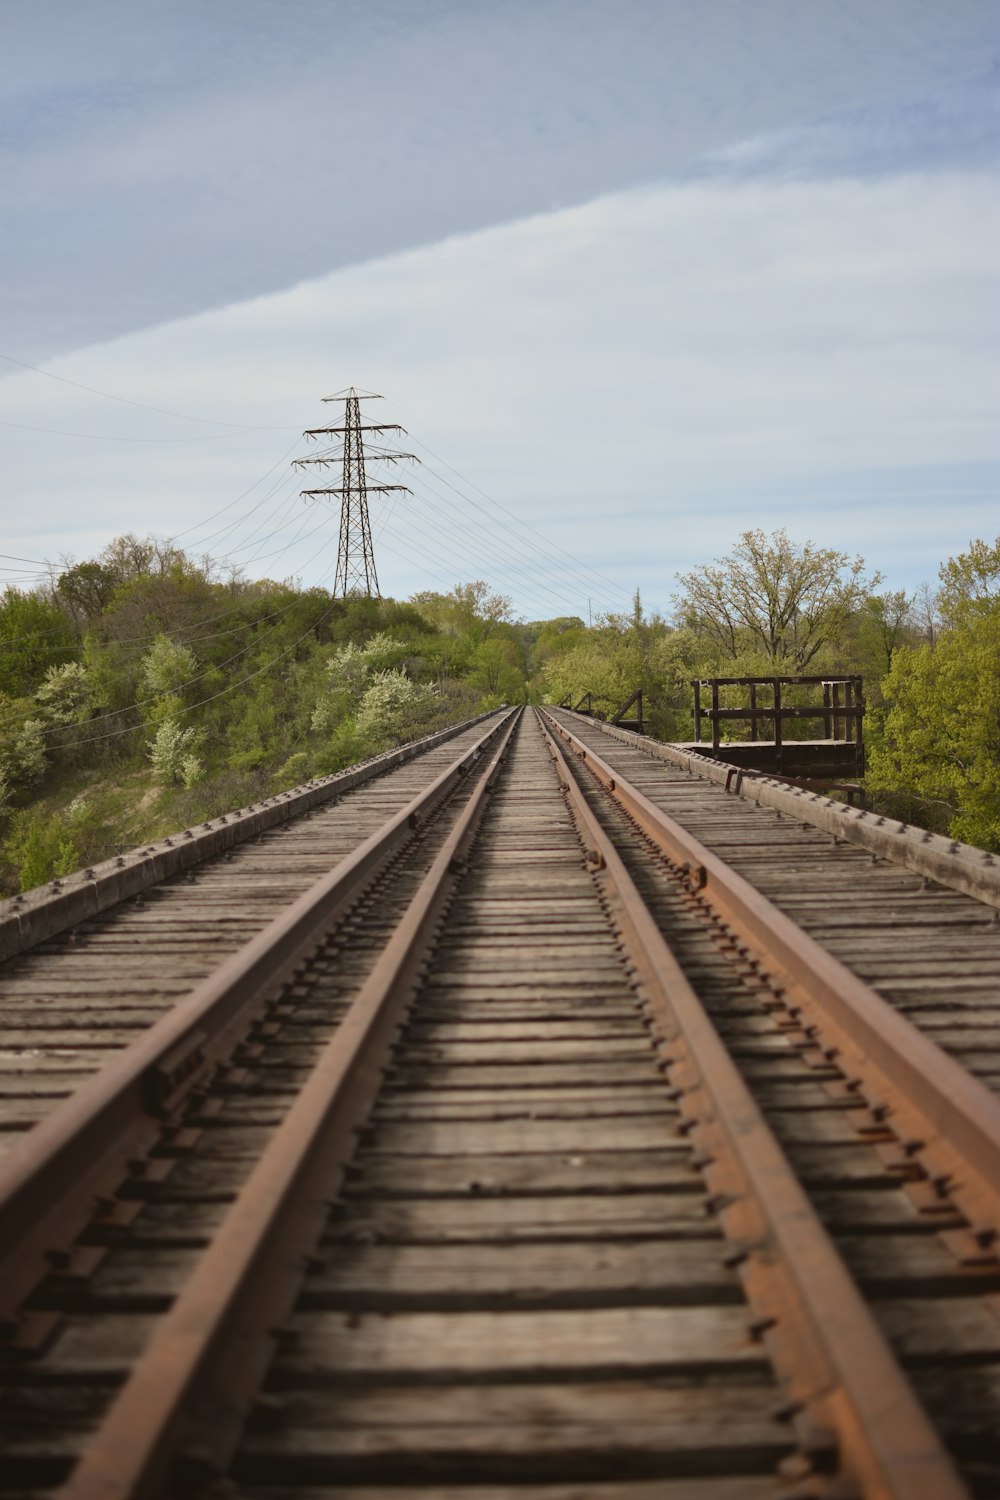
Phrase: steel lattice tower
(355, 554)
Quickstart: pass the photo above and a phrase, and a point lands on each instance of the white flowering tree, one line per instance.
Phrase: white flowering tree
(393, 707)
(172, 753)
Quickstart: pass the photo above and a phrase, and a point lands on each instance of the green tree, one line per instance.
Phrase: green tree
(34, 635)
(773, 598)
(393, 708)
(970, 582)
(64, 696)
(939, 738)
(172, 754)
(23, 757)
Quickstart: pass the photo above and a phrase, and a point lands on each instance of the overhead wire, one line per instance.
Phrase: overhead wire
(142, 405)
(461, 558)
(140, 703)
(578, 562)
(191, 707)
(501, 552)
(506, 557)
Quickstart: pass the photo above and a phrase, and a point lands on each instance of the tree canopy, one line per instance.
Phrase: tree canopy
(142, 689)
(773, 598)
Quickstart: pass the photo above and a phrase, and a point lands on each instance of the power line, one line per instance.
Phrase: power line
(127, 401)
(191, 707)
(550, 544)
(117, 437)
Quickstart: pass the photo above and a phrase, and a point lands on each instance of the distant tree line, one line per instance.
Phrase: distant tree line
(930, 660)
(144, 689)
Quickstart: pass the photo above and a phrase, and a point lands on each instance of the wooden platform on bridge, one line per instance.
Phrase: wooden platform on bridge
(830, 760)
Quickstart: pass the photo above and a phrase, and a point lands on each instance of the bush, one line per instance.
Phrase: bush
(22, 747)
(41, 846)
(64, 696)
(393, 708)
(294, 772)
(172, 753)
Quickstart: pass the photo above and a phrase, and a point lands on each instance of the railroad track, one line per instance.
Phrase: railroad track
(93, 960)
(546, 1159)
(915, 916)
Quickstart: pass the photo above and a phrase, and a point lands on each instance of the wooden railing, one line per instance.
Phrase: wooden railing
(841, 712)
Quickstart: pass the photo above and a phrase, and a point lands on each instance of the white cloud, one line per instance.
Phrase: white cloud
(159, 159)
(641, 378)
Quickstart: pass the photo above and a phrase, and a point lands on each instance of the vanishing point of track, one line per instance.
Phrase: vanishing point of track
(519, 1144)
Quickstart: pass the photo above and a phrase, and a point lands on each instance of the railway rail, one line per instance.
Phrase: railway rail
(585, 1130)
(94, 959)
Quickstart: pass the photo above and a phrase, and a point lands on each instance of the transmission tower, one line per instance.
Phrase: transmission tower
(355, 555)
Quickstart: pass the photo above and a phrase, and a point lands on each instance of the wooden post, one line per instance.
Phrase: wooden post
(697, 712)
(753, 712)
(778, 755)
(715, 716)
(827, 725)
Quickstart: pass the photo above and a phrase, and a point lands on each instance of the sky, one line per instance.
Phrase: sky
(635, 277)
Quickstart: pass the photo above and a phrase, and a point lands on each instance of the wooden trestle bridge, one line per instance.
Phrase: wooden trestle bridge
(532, 1112)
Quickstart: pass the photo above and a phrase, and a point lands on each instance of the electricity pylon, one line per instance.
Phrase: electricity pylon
(355, 555)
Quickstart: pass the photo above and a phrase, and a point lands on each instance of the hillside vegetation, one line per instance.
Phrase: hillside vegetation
(143, 691)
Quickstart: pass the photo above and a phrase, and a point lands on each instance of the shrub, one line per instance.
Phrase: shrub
(64, 696)
(293, 772)
(171, 749)
(393, 708)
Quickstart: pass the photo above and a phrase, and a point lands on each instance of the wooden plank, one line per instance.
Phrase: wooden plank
(523, 1104)
(595, 1049)
(619, 1273)
(478, 1217)
(479, 1277)
(437, 1033)
(517, 1136)
(545, 1174)
(534, 1345)
(528, 1432)
(947, 1330)
(446, 1075)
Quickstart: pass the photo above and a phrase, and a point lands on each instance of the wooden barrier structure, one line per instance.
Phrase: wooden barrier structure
(838, 754)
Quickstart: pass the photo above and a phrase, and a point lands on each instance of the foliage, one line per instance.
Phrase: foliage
(23, 757)
(470, 611)
(393, 708)
(970, 581)
(172, 754)
(939, 740)
(773, 596)
(35, 635)
(144, 690)
(64, 697)
(294, 771)
(167, 668)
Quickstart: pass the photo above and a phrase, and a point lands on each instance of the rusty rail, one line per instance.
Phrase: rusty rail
(974, 872)
(808, 1311)
(50, 1180)
(189, 1393)
(949, 1118)
(41, 913)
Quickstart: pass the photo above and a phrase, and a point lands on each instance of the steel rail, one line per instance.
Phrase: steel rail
(974, 872)
(949, 1121)
(807, 1309)
(53, 1182)
(188, 1396)
(31, 918)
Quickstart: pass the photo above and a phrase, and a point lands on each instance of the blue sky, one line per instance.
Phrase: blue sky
(643, 274)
